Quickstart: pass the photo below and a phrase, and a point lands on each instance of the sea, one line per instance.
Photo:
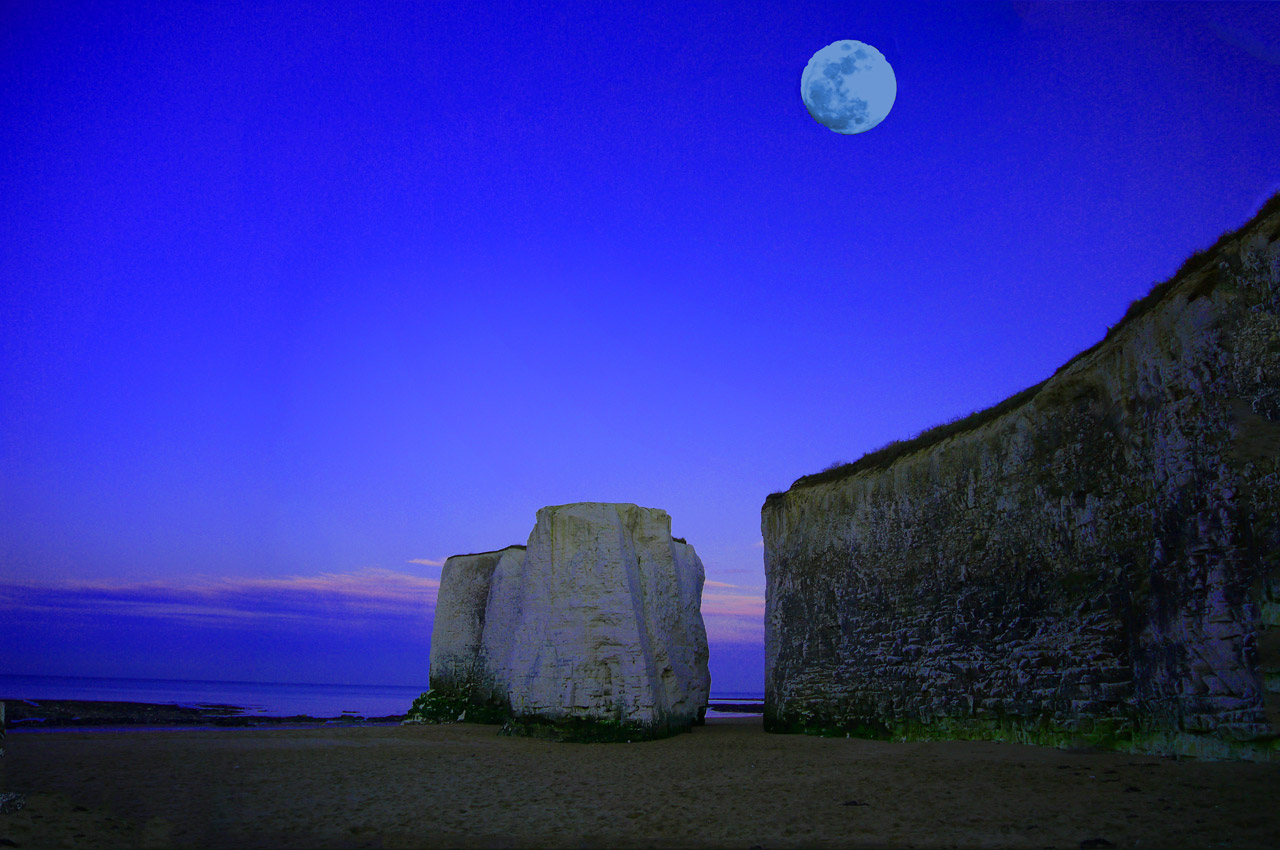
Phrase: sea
(260, 699)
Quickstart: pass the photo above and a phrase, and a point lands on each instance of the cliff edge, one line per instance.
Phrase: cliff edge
(1095, 561)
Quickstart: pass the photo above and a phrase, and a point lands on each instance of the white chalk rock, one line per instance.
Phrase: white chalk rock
(457, 665)
(599, 620)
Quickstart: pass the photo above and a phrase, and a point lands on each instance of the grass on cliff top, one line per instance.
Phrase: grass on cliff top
(883, 457)
(491, 551)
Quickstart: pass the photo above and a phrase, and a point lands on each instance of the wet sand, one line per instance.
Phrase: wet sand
(727, 784)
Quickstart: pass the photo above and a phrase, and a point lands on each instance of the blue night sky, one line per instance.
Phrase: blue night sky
(296, 300)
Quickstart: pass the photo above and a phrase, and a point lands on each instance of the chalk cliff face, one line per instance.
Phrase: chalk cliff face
(1096, 560)
(456, 633)
(597, 623)
(601, 621)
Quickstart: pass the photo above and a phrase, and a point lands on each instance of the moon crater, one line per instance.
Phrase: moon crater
(848, 87)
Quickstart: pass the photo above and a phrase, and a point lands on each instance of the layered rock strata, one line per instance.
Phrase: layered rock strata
(1097, 560)
(595, 630)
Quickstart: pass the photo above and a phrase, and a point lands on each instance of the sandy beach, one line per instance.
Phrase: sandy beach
(727, 784)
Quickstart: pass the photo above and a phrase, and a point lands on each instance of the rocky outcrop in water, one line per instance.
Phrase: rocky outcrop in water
(1096, 560)
(594, 631)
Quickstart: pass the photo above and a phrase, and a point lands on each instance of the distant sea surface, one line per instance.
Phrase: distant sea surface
(260, 699)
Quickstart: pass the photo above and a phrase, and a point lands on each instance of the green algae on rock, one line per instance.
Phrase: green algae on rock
(438, 706)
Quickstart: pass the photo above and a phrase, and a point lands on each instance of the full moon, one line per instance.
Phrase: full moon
(848, 87)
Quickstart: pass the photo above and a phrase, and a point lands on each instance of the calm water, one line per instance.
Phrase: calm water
(264, 699)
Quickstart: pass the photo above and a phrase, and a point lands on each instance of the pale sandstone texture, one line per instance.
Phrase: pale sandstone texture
(596, 625)
(456, 633)
(1095, 561)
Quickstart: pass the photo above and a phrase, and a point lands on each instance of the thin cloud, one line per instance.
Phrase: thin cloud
(733, 603)
(759, 544)
(725, 629)
(710, 583)
(734, 617)
(732, 613)
(426, 562)
(364, 595)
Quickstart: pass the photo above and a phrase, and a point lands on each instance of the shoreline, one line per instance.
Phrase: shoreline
(278, 723)
(28, 714)
(45, 714)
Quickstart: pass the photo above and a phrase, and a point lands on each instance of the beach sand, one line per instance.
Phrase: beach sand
(727, 784)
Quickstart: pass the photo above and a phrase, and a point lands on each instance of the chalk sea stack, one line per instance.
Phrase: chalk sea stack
(592, 632)
(456, 663)
(1093, 562)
